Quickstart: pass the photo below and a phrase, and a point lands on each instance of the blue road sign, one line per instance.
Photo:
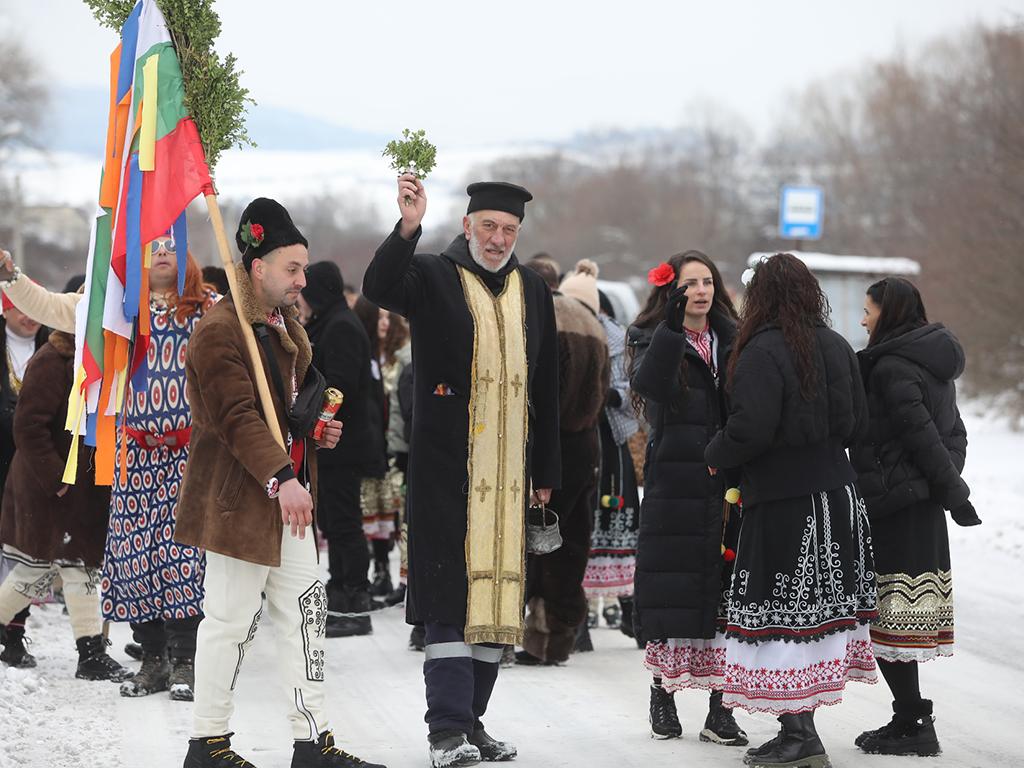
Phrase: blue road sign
(801, 210)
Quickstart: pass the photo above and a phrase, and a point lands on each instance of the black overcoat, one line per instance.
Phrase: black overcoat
(916, 443)
(678, 580)
(426, 289)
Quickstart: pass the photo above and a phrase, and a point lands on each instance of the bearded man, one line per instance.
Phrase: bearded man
(485, 429)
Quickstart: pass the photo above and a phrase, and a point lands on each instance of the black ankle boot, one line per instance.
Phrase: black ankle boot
(323, 753)
(381, 586)
(720, 726)
(910, 732)
(14, 654)
(214, 752)
(152, 677)
(796, 745)
(663, 716)
(94, 663)
(355, 619)
(181, 681)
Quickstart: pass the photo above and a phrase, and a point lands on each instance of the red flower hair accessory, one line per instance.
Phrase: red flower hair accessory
(663, 274)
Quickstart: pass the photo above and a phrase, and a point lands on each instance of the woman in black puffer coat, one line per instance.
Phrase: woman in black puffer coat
(909, 472)
(803, 587)
(680, 572)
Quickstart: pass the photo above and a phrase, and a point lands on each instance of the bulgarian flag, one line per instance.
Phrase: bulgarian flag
(153, 168)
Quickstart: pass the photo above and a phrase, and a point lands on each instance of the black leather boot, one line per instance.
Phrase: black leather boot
(94, 663)
(354, 619)
(910, 732)
(324, 753)
(797, 746)
(214, 752)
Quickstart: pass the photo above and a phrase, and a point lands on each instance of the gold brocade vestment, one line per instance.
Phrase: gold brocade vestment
(495, 508)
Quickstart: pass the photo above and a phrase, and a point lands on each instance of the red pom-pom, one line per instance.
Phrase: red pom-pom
(728, 555)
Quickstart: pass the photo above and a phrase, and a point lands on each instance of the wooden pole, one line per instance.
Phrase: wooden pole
(262, 387)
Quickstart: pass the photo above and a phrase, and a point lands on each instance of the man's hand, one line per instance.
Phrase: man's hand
(330, 436)
(540, 496)
(296, 507)
(6, 265)
(410, 188)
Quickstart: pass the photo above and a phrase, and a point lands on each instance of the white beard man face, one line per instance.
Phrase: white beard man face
(492, 237)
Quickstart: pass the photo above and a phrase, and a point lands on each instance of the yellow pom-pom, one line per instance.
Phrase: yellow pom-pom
(732, 495)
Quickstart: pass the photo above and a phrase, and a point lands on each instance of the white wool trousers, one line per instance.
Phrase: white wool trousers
(30, 579)
(297, 604)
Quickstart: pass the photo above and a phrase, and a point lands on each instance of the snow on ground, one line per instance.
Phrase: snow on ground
(591, 712)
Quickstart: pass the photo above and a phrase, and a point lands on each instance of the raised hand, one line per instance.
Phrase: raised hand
(6, 265)
(412, 202)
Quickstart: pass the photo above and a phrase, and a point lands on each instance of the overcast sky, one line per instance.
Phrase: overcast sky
(491, 73)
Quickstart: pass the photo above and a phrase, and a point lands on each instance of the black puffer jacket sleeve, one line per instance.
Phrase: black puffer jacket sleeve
(903, 391)
(755, 411)
(656, 368)
(957, 443)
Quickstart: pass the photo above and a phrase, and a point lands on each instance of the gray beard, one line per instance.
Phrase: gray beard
(476, 251)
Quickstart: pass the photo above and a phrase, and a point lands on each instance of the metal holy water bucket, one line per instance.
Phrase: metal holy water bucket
(542, 534)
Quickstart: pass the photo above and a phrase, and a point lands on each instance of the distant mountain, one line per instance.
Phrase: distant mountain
(79, 124)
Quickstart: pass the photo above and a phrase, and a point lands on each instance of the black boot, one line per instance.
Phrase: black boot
(612, 616)
(910, 732)
(451, 749)
(396, 597)
(322, 753)
(797, 746)
(720, 726)
(94, 663)
(418, 638)
(134, 650)
(214, 752)
(583, 642)
(14, 653)
(152, 677)
(492, 750)
(663, 717)
(381, 586)
(626, 620)
(355, 619)
(182, 678)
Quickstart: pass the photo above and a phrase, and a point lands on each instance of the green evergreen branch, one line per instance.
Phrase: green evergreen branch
(213, 95)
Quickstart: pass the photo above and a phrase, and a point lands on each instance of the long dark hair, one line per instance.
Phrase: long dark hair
(783, 292)
(900, 308)
(653, 311)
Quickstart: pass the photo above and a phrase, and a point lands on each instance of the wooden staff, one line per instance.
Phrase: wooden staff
(262, 387)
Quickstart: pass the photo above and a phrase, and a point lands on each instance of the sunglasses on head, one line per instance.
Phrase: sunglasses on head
(166, 243)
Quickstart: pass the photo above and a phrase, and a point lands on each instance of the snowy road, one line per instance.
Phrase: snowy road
(592, 712)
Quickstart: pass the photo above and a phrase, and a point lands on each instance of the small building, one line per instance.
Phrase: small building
(844, 280)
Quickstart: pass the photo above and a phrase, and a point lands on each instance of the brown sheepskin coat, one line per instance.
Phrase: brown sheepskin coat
(35, 520)
(224, 506)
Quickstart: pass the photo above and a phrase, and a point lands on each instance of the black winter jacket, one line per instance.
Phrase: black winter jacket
(916, 443)
(341, 351)
(785, 445)
(678, 580)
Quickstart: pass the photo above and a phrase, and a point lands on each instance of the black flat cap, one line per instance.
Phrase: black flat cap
(498, 196)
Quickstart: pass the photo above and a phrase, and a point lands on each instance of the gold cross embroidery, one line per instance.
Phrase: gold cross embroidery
(517, 384)
(487, 379)
(515, 489)
(483, 488)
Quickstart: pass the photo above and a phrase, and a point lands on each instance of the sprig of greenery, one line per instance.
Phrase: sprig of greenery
(414, 155)
(213, 96)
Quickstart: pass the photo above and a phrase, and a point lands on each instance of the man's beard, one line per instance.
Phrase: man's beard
(477, 251)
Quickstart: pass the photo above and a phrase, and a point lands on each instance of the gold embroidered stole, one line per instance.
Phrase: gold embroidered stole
(495, 528)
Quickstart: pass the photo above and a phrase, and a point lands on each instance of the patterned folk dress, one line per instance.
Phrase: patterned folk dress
(146, 575)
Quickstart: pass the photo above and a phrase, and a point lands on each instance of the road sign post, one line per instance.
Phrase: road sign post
(801, 211)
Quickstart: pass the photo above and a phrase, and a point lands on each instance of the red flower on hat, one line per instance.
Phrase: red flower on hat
(663, 274)
(256, 230)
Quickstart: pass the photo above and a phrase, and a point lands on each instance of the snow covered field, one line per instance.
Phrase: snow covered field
(591, 712)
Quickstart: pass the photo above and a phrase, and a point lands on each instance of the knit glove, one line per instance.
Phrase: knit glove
(965, 515)
(675, 310)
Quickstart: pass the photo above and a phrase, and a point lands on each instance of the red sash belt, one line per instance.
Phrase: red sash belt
(174, 440)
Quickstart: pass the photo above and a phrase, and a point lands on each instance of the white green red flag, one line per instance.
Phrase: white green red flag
(153, 168)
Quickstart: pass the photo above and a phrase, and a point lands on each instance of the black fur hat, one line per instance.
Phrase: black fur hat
(264, 226)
